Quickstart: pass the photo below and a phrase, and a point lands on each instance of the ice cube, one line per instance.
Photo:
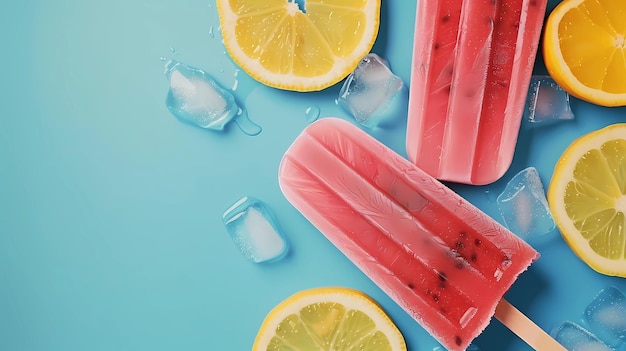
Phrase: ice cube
(373, 94)
(606, 315)
(195, 97)
(547, 101)
(576, 338)
(255, 231)
(524, 207)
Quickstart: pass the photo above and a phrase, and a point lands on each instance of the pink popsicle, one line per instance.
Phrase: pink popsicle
(472, 63)
(445, 262)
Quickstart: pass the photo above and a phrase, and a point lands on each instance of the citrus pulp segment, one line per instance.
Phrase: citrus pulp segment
(333, 318)
(584, 49)
(587, 197)
(282, 46)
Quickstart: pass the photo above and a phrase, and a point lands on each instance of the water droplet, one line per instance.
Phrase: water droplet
(246, 125)
(211, 32)
(490, 195)
(236, 82)
(312, 113)
(173, 50)
(163, 58)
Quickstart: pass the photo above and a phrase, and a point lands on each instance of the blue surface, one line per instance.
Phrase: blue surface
(111, 235)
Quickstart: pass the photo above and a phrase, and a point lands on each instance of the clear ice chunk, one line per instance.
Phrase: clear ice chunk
(547, 101)
(576, 338)
(195, 97)
(373, 94)
(606, 316)
(524, 207)
(255, 231)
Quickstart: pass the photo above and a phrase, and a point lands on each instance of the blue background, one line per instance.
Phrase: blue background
(110, 208)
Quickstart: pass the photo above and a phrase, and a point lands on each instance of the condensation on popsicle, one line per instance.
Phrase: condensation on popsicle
(440, 258)
(472, 63)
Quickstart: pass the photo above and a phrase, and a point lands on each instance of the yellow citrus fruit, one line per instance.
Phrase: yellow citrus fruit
(587, 197)
(584, 49)
(282, 46)
(331, 318)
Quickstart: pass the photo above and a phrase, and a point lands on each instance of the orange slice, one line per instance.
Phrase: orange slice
(282, 46)
(584, 49)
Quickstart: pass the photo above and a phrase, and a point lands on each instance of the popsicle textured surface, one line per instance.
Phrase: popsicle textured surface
(440, 258)
(111, 231)
(472, 66)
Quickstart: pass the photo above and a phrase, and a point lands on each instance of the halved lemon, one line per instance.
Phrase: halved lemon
(330, 318)
(286, 47)
(587, 197)
(584, 49)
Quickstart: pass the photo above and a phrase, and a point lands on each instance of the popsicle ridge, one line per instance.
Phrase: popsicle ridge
(503, 116)
(468, 87)
(472, 63)
(420, 242)
(374, 242)
(392, 202)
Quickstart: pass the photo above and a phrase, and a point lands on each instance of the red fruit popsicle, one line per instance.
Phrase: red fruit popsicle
(472, 64)
(445, 262)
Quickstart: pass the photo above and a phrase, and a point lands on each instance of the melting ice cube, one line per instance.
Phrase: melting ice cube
(373, 94)
(254, 229)
(524, 207)
(547, 101)
(606, 315)
(576, 338)
(195, 97)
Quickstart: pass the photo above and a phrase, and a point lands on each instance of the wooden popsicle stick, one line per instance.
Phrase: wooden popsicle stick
(525, 328)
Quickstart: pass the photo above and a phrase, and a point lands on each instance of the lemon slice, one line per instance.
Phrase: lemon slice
(587, 197)
(278, 44)
(584, 49)
(333, 318)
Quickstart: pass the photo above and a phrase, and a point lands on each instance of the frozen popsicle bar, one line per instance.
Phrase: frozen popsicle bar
(445, 262)
(472, 63)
